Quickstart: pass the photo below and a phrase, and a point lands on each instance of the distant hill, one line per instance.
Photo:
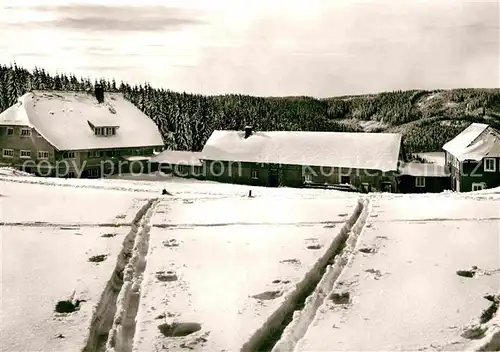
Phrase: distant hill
(427, 119)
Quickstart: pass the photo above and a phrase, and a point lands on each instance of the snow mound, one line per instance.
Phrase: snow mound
(9, 171)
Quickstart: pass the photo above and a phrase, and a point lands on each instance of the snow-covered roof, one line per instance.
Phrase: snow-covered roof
(136, 158)
(376, 151)
(177, 157)
(474, 143)
(486, 145)
(15, 116)
(458, 144)
(62, 118)
(424, 170)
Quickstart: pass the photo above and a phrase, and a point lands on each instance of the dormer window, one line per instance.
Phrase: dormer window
(105, 131)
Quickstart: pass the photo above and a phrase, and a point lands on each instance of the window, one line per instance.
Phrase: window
(43, 155)
(69, 155)
(10, 131)
(25, 132)
(25, 154)
(8, 153)
(93, 154)
(104, 131)
(489, 164)
(478, 186)
(93, 173)
(345, 180)
(255, 174)
(308, 178)
(419, 181)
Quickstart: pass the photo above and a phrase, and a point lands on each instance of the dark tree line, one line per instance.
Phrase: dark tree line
(187, 120)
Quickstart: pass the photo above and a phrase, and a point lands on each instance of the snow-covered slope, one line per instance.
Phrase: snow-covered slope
(29, 204)
(56, 244)
(240, 266)
(230, 265)
(404, 290)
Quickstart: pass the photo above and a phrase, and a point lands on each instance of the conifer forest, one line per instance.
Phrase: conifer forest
(427, 119)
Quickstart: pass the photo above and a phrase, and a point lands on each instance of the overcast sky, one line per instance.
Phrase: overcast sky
(281, 47)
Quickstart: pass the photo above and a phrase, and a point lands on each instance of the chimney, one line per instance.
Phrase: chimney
(99, 93)
(248, 131)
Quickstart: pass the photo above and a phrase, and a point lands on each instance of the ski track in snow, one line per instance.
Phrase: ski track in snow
(105, 332)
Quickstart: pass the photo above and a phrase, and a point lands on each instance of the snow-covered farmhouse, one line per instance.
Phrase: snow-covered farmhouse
(297, 159)
(473, 158)
(76, 134)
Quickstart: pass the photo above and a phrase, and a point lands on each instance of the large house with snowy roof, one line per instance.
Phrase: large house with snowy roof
(473, 158)
(297, 159)
(75, 134)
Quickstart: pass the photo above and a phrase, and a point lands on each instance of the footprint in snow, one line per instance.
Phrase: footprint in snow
(368, 250)
(268, 295)
(98, 258)
(166, 276)
(291, 261)
(171, 243)
(376, 273)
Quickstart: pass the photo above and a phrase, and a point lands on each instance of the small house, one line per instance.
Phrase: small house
(473, 158)
(302, 159)
(76, 134)
(178, 163)
(417, 177)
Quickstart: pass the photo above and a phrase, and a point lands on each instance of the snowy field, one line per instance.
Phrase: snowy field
(209, 268)
(402, 282)
(229, 265)
(35, 204)
(152, 185)
(52, 242)
(41, 266)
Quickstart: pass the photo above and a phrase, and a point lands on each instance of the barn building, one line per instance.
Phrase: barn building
(299, 159)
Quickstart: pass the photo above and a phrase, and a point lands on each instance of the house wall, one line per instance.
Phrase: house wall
(239, 173)
(407, 184)
(58, 164)
(185, 171)
(294, 175)
(473, 172)
(464, 174)
(356, 177)
(34, 143)
(106, 162)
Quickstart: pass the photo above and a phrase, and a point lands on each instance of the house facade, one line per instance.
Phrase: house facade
(473, 158)
(75, 134)
(423, 178)
(302, 159)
